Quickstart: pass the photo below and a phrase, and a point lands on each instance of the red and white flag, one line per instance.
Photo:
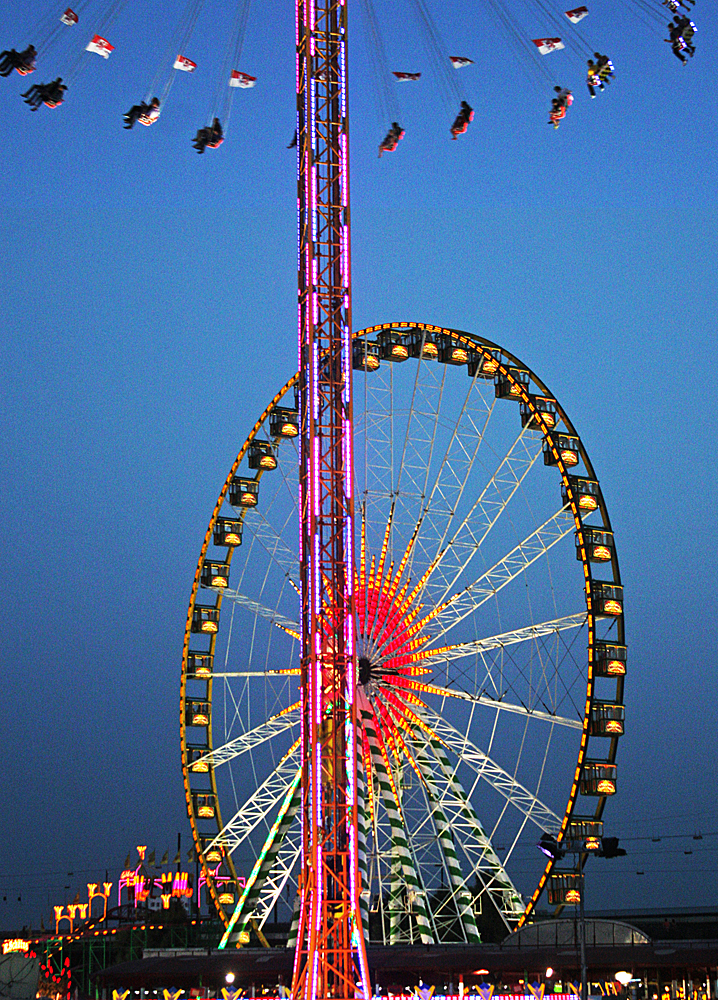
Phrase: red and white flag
(183, 63)
(546, 45)
(101, 46)
(239, 79)
(459, 62)
(69, 17)
(577, 14)
(406, 77)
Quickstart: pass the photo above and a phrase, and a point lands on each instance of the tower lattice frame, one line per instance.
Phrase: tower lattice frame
(330, 957)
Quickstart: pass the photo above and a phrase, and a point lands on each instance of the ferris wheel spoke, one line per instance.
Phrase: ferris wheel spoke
(427, 488)
(261, 804)
(279, 723)
(272, 541)
(467, 601)
(530, 633)
(452, 476)
(453, 557)
(260, 610)
(419, 434)
(281, 874)
(491, 772)
(466, 830)
(504, 706)
(274, 863)
(459, 899)
(405, 873)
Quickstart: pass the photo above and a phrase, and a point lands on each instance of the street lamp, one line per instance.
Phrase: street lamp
(602, 847)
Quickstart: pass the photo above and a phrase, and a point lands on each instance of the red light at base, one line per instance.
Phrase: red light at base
(569, 457)
(573, 896)
(612, 608)
(586, 502)
(606, 787)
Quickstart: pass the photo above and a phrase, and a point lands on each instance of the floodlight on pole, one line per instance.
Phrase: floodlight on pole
(549, 846)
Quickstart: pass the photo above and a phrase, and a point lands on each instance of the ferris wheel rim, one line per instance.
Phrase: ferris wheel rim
(507, 362)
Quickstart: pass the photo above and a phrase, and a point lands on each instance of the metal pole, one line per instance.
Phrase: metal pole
(582, 932)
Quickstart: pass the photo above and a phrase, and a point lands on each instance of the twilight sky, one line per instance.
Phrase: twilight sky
(149, 315)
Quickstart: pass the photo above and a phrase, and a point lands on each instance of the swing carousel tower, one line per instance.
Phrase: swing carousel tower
(330, 957)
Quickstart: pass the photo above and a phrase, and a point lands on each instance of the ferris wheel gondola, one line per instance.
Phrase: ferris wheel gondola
(491, 650)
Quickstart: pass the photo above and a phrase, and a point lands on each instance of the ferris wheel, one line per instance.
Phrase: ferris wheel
(491, 648)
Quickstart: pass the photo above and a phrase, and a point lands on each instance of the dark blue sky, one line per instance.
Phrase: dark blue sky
(149, 315)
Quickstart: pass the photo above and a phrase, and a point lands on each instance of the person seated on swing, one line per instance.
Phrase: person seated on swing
(142, 112)
(559, 104)
(391, 140)
(23, 62)
(605, 67)
(461, 122)
(688, 30)
(52, 94)
(211, 135)
(677, 42)
(593, 80)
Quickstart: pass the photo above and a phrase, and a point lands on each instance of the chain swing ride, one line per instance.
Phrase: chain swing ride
(404, 712)
(415, 743)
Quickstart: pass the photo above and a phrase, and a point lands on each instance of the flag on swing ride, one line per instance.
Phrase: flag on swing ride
(406, 77)
(101, 46)
(239, 79)
(185, 64)
(69, 17)
(546, 45)
(459, 62)
(577, 14)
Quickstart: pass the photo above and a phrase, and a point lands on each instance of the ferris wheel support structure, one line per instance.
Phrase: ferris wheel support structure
(330, 957)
